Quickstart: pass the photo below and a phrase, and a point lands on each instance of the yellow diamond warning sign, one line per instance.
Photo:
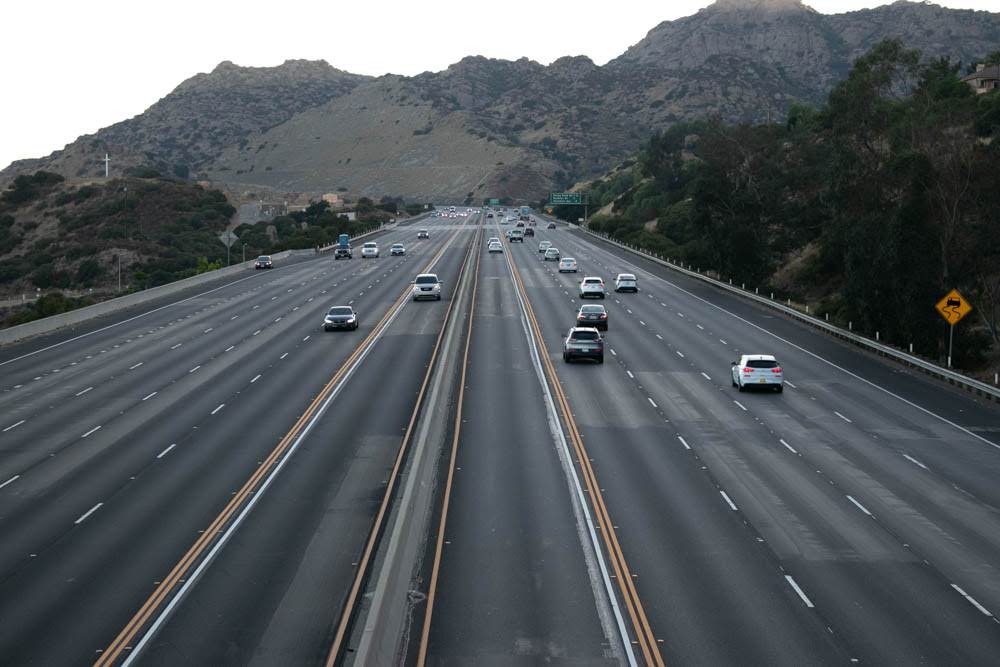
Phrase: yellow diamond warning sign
(953, 307)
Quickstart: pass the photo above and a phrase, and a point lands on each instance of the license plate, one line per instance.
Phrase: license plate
(763, 380)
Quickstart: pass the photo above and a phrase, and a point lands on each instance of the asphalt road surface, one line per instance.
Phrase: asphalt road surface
(194, 482)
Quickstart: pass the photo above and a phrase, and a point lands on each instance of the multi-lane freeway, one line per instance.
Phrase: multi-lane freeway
(213, 480)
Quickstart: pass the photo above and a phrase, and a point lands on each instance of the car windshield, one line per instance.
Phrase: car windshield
(592, 309)
(397, 245)
(371, 245)
(592, 281)
(626, 276)
(341, 310)
(426, 280)
(585, 335)
(264, 258)
(762, 363)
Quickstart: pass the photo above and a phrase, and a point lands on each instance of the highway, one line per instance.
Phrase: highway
(197, 482)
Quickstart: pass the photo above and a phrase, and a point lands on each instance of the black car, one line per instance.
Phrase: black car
(529, 231)
(263, 262)
(340, 317)
(551, 225)
(592, 315)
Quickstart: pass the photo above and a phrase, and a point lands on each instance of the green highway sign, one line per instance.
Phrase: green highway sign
(557, 198)
(494, 202)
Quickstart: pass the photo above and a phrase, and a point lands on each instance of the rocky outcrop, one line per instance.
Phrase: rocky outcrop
(508, 128)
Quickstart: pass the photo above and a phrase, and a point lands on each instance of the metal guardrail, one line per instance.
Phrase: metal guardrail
(968, 383)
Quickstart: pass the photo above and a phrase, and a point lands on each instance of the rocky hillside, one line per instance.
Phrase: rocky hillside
(498, 128)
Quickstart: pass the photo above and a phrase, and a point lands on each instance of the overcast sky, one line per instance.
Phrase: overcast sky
(71, 67)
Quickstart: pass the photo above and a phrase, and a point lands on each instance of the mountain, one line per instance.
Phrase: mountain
(495, 128)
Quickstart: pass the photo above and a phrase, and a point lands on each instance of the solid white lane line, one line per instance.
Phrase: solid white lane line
(194, 369)
(741, 406)
(684, 442)
(132, 368)
(859, 505)
(93, 430)
(83, 517)
(790, 448)
(706, 376)
(679, 353)
(968, 597)
(843, 417)
(257, 377)
(221, 405)
(176, 346)
(282, 356)
(230, 348)
(913, 460)
(10, 481)
(13, 426)
(732, 505)
(798, 590)
(652, 402)
(150, 396)
(630, 374)
(166, 451)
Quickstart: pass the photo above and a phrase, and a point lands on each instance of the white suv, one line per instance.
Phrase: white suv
(758, 370)
(369, 249)
(592, 286)
(626, 282)
(426, 286)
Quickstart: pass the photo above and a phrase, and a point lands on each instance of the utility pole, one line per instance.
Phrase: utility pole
(106, 161)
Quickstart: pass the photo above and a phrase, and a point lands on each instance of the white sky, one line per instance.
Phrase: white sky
(71, 67)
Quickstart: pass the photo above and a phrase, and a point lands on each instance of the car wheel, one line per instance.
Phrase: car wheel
(565, 357)
(740, 387)
(600, 359)
(780, 388)
(439, 297)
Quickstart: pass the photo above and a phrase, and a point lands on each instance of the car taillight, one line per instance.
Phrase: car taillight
(776, 370)
(603, 316)
(748, 370)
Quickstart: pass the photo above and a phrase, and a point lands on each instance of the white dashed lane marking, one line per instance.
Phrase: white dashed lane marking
(166, 451)
(86, 514)
(13, 426)
(91, 431)
(84, 391)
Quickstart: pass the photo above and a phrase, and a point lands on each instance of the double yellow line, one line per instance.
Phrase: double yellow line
(644, 632)
(361, 573)
(205, 540)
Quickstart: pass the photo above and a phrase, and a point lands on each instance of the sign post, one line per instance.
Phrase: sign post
(953, 307)
(228, 238)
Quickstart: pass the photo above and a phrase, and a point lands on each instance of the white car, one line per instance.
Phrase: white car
(426, 286)
(544, 245)
(758, 370)
(626, 282)
(397, 249)
(492, 239)
(369, 249)
(592, 286)
(496, 246)
(567, 265)
(551, 254)
(422, 234)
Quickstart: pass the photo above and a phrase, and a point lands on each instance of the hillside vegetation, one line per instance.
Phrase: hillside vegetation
(869, 208)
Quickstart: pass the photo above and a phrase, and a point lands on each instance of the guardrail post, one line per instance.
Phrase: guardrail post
(807, 309)
(996, 378)
(772, 296)
(876, 335)
(828, 317)
(743, 285)
(911, 348)
(850, 325)
(756, 290)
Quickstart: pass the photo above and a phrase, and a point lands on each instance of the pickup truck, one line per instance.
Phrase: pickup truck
(343, 248)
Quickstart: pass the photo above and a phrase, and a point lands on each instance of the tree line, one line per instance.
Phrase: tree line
(869, 208)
